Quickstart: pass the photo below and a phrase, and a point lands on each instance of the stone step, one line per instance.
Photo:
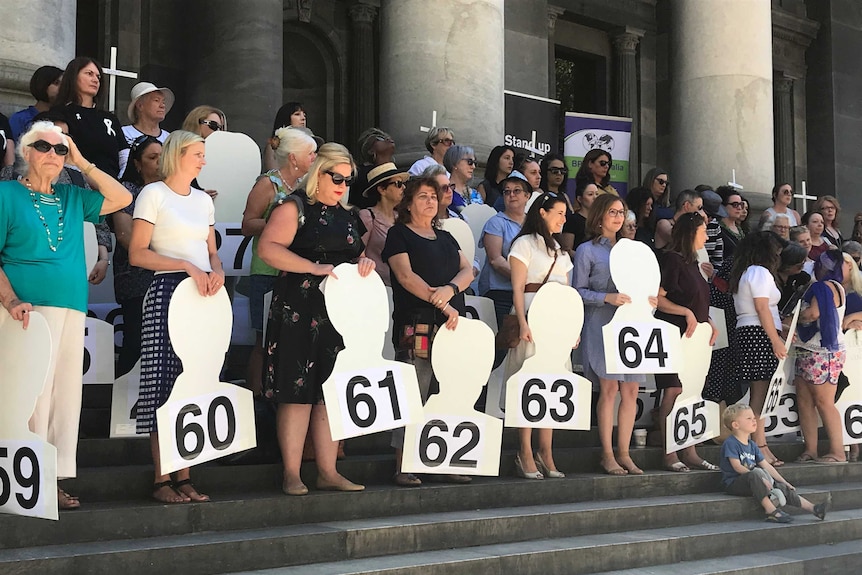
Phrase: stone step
(207, 551)
(632, 550)
(833, 559)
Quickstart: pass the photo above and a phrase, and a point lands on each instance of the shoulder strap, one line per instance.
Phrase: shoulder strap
(553, 263)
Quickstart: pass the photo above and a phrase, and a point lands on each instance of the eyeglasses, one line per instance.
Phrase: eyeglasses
(338, 179)
(661, 182)
(471, 161)
(397, 183)
(737, 205)
(142, 141)
(512, 192)
(45, 147)
(604, 163)
(211, 124)
(557, 171)
(445, 187)
(447, 141)
(616, 213)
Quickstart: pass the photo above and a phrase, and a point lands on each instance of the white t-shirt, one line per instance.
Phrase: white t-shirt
(181, 224)
(419, 166)
(756, 282)
(531, 250)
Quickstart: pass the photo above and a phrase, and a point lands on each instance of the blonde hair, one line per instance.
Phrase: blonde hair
(192, 121)
(855, 273)
(818, 206)
(329, 155)
(174, 148)
(732, 413)
(32, 135)
(292, 141)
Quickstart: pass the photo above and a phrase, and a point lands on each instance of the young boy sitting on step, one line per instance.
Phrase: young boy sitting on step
(744, 471)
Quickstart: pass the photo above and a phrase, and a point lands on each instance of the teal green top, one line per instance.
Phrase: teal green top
(39, 275)
(258, 266)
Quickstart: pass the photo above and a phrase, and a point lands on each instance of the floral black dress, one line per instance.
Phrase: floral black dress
(301, 343)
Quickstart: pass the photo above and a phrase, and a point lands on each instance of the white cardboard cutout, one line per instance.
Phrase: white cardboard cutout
(453, 437)
(719, 319)
(850, 405)
(481, 308)
(365, 393)
(98, 351)
(91, 247)
(233, 165)
(545, 393)
(693, 420)
(634, 340)
(25, 356)
(476, 216)
(203, 419)
(267, 303)
(124, 403)
(388, 345)
(786, 417)
(647, 402)
(234, 249)
(702, 258)
(780, 379)
(533, 197)
(462, 234)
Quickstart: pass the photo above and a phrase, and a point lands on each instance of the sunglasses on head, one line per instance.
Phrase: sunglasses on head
(338, 179)
(211, 124)
(45, 147)
(143, 141)
(557, 171)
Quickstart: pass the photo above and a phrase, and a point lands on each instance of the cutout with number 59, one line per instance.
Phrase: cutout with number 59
(28, 463)
(452, 437)
(850, 404)
(545, 393)
(365, 393)
(203, 419)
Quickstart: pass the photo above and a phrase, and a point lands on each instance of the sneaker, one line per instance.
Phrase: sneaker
(779, 516)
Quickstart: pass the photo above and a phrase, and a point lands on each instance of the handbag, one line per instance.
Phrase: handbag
(509, 333)
(416, 336)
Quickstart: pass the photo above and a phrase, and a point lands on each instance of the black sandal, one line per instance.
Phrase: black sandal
(779, 516)
(161, 485)
(201, 498)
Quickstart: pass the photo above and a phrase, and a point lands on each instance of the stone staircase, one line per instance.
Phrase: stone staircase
(660, 522)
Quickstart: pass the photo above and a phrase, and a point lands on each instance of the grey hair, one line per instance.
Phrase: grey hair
(32, 135)
(437, 133)
(434, 171)
(292, 141)
(771, 223)
(455, 154)
(630, 217)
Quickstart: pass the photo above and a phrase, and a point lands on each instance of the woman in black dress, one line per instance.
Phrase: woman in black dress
(307, 235)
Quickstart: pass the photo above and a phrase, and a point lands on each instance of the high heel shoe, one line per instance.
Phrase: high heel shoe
(519, 470)
(547, 471)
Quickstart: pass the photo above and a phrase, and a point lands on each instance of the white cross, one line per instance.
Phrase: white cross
(804, 197)
(113, 73)
(433, 122)
(733, 183)
(531, 147)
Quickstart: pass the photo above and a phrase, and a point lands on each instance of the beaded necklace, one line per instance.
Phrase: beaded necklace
(59, 205)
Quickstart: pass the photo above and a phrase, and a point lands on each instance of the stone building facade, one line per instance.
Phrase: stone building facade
(768, 88)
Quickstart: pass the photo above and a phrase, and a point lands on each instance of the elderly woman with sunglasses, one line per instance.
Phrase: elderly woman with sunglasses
(460, 161)
(308, 234)
(385, 189)
(782, 198)
(437, 141)
(43, 269)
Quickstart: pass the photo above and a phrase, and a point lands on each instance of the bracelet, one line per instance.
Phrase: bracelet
(104, 260)
(86, 171)
(445, 307)
(454, 286)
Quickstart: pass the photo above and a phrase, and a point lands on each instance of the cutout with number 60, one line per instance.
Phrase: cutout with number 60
(186, 426)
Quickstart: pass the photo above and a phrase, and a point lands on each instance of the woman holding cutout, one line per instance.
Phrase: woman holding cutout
(536, 258)
(592, 279)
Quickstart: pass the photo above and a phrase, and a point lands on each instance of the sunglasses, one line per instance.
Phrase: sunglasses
(661, 182)
(143, 141)
(737, 205)
(471, 162)
(211, 124)
(512, 192)
(45, 147)
(338, 179)
(557, 171)
(447, 141)
(447, 187)
(397, 183)
(604, 163)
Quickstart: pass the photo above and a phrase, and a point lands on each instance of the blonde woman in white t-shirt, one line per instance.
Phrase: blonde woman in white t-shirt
(535, 258)
(173, 235)
(758, 344)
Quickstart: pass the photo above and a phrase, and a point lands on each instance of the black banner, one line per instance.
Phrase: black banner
(532, 124)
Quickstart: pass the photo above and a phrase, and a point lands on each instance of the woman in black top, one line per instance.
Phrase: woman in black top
(575, 229)
(97, 132)
(501, 162)
(428, 274)
(683, 301)
(307, 235)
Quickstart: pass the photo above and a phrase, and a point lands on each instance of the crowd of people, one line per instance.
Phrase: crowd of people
(315, 207)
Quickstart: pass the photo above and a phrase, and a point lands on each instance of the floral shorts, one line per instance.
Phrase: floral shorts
(820, 367)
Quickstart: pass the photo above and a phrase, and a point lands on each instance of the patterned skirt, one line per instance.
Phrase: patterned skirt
(754, 356)
(160, 366)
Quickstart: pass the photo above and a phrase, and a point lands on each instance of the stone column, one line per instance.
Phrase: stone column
(721, 95)
(443, 56)
(625, 92)
(554, 12)
(234, 61)
(784, 137)
(362, 66)
(34, 34)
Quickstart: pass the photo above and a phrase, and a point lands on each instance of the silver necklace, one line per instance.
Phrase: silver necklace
(60, 224)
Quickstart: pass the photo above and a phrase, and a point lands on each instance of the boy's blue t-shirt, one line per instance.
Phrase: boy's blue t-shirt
(748, 454)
